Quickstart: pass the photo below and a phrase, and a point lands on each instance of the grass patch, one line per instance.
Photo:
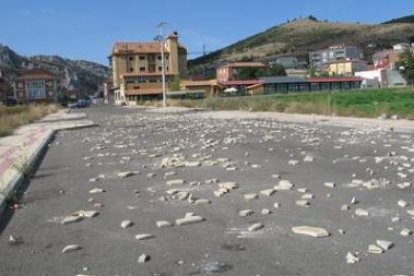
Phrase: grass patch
(16, 116)
(358, 103)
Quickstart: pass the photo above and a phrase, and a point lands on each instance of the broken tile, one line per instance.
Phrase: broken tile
(141, 237)
(255, 227)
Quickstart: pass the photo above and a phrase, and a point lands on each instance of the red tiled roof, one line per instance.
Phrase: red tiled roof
(136, 47)
(36, 74)
(339, 79)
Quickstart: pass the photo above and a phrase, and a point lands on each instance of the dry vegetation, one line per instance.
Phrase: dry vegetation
(13, 117)
(359, 103)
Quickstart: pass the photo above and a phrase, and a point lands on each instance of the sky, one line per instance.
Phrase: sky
(87, 29)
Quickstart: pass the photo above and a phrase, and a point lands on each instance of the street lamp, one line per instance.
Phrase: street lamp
(161, 39)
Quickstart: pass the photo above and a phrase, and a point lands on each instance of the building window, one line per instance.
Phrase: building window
(159, 57)
(141, 57)
(142, 69)
(36, 89)
(160, 68)
(20, 85)
(131, 58)
(131, 69)
(153, 80)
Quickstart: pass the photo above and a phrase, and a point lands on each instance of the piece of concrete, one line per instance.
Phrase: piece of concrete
(175, 182)
(284, 185)
(385, 245)
(268, 192)
(96, 191)
(188, 220)
(141, 237)
(246, 213)
(315, 232)
(374, 249)
(71, 248)
(251, 196)
(71, 219)
(163, 224)
(255, 227)
(361, 212)
(126, 224)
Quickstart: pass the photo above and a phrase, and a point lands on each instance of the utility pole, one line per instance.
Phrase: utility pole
(161, 38)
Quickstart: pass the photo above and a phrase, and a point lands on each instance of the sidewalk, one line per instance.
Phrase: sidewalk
(336, 121)
(20, 151)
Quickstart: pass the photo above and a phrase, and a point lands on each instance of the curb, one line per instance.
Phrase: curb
(18, 180)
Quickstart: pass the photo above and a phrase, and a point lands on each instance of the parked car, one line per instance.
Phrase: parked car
(82, 103)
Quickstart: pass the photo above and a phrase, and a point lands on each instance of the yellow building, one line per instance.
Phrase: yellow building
(211, 88)
(137, 68)
(346, 67)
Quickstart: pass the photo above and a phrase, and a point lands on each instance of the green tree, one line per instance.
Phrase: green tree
(175, 84)
(249, 73)
(277, 70)
(406, 65)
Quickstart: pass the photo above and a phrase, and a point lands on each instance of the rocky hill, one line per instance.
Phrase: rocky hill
(74, 74)
(298, 37)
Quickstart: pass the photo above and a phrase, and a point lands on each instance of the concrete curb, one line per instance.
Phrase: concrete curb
(17, 181)
(33, 161)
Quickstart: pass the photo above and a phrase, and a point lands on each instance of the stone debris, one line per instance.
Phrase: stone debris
(255, 227)
(385, 245)
(251, 196)
(310, 231)
(144, 258)
(71, 219)
(410, 212)
(228, 186)
(86, 214)
(308, 159)
(173, 162)
(175, 182)
(374, 249)
(361, 212)
(402, 203)
(276, 205)
(163, 224)
(126, 224)
(125, 174)
(202, 201)
(141, 237)
(189, 218)
(345, 207)
(351, 258)
(268, 192)
(329, 184)
(303, 190)
(71, 248)
(246, 213)
(266, 211)
(96, 191)
(307, 196)
(284, 185)
(405, 232)
(303, 203)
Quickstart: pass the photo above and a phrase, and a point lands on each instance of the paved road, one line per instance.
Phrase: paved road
(249, 152)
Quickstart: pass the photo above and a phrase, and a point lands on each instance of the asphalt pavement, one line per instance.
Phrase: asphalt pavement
(143, 167)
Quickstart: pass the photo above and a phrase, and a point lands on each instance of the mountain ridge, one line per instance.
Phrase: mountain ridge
(75, 75)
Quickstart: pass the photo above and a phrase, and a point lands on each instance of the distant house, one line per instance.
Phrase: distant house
(346, 67)
(320, 58)
(387, 59)
(210, 87)
(36, 85)
(228, 72)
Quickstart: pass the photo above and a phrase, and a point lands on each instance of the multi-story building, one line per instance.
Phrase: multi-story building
(319, 59)
(228, 72)
(137, 67)
(36, 85)
(6, 90)
(346, 67)
(387, 59)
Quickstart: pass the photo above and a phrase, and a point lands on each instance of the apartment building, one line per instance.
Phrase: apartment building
(346, 67)
(137, 68)
(321, 58)
(228, 72)
(36, 85)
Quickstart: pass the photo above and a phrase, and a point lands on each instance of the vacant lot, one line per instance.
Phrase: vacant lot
(361, 103)
(13, 117)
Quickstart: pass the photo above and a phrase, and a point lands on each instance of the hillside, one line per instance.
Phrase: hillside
(74, 74)
(299, 37)
(405, 19)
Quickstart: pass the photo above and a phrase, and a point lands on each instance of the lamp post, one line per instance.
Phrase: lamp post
(161, 39)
